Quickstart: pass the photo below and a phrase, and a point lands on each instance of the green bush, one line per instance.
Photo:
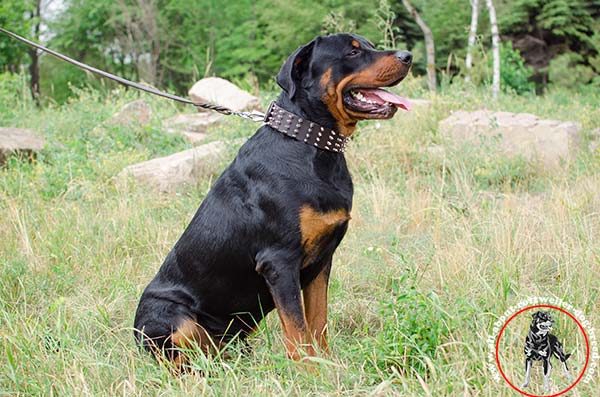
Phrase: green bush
(416, 325)
(567, 71)
(14, 89)
(514, 74)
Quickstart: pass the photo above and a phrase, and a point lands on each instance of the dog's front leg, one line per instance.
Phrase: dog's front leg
(547, 369)
(527, 373)
(315, 304)
(283, 281)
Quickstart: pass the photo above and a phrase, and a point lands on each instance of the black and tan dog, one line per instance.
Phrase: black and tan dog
(540, 344)
(266, 232)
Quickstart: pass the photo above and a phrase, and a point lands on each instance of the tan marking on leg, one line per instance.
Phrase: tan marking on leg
(315, 304)
(188, 335)
(294, 332)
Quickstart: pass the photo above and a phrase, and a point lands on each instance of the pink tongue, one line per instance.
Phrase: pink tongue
(381, 96)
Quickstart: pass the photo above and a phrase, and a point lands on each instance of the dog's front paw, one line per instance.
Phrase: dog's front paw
(524, 385)
(546, 386)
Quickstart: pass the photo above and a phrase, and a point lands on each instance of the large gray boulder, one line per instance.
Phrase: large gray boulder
(549, 141)
(192, 126)
(167, 174)
(219, 91)
(19, 140)
(136, 112)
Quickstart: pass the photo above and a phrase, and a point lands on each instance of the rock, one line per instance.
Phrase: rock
(420, 103)
(222, 92)
(595, 141)
(167, 174)
(436, 150)
(136, 112)
(515, 134)
(192, 126)
(196, 122)
(19, 140)
(191, 136)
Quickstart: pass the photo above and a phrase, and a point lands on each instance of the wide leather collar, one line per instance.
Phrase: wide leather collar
(304, 130)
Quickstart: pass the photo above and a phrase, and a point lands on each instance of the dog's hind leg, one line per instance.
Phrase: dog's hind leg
(547, 369)
(566, 370)
(527, 373)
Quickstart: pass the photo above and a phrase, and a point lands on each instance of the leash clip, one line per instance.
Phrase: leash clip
(254, 115)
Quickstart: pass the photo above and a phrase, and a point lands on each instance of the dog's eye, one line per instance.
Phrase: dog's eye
(353, 53)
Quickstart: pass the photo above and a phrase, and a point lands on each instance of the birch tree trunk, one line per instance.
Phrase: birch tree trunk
(472, 34)
(34, 66)
(495, 48)
(430, 48)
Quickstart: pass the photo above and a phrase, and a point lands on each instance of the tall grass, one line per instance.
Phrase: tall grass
(441, 242)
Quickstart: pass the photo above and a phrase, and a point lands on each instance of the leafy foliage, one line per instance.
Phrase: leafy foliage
(13, 17)
(515, 74)
(567, 70)
(416, 325)
(172, 43)
(557, 27)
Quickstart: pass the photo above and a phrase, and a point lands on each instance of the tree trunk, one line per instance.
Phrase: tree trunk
(141, 38)
(495, 48)
(472, 34)
(431, 76)
(34, 66)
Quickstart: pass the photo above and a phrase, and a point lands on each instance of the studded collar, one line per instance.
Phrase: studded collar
(304, 130)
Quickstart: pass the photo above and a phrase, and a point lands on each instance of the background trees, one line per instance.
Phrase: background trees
(170, 43)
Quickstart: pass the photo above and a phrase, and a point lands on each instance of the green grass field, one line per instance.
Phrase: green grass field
(439, 246)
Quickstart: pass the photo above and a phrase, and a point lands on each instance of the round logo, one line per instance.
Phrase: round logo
(543, 349)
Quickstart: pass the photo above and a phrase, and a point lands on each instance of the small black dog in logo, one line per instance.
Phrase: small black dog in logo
(540, 344)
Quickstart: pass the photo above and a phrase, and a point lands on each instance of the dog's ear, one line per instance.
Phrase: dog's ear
(295, 67)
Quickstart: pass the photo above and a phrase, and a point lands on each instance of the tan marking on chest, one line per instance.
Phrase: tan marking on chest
(314, 226)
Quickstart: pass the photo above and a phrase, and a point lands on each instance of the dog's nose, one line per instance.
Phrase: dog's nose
(404, 56)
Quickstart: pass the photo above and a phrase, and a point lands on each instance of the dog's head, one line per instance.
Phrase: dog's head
(541, 322)
(344, 75)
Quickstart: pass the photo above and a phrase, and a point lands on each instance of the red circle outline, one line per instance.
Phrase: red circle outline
(587, 347)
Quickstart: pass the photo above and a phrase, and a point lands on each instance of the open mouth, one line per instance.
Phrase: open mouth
(545, 326)
(374, 102)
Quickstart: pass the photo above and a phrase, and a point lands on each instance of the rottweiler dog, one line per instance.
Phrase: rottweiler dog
(540, 344)
(264, 236)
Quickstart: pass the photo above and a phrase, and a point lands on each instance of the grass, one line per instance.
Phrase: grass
(441, 243)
